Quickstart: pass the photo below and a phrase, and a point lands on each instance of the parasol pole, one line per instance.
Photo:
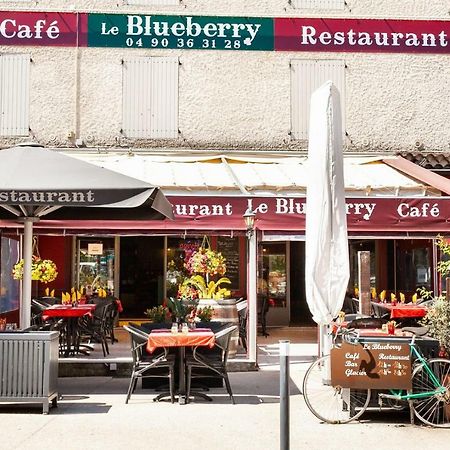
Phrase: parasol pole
(25, 316)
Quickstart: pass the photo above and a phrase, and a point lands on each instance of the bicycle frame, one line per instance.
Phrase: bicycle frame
(439, 389)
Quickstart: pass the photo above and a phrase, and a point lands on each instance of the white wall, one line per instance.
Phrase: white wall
(242, 99)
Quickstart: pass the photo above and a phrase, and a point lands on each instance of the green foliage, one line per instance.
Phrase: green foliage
(157, 314)
(424, 293)
(209, 289)
(205, 313)
(438, 315)
(181, 309)
(438, 321)
(443, 267)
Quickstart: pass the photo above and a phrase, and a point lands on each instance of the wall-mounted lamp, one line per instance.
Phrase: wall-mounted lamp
(249, 219)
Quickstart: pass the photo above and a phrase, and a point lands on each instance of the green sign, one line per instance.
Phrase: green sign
(183, 32)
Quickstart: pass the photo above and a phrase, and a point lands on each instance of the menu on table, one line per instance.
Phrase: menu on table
(372, 365)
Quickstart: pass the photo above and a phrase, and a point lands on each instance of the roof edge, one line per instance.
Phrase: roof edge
(424, 175)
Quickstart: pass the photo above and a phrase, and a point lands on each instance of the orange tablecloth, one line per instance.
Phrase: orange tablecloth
(191, 339)
(63, 311)
(400, 311)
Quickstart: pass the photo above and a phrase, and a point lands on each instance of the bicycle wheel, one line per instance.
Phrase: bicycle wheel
(434, 410)
(328, 403)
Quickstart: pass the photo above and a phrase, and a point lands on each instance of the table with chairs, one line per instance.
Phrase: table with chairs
(70, 335)
(197, 354)
(80, 324)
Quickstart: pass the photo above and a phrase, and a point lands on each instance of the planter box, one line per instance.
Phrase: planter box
(29, 367)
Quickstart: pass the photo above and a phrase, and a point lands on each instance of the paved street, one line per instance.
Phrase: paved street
(92, 415)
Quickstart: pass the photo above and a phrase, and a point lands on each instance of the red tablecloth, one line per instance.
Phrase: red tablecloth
(64, 311)
(378, 332)
(401, 311)
(158, 338)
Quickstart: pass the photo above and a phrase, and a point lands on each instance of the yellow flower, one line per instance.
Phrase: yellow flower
(383, 295)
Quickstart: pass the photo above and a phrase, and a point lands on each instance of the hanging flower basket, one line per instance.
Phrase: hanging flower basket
(204, 265)
(43, 270)
(207, 262)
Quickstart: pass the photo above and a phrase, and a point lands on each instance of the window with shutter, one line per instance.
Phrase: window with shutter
(318, 4)
(14, 94)
(152, 2)
(306, 77)
(150, 97)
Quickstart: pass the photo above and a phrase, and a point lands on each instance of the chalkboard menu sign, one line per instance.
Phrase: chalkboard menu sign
(372, 365)
(229, 247)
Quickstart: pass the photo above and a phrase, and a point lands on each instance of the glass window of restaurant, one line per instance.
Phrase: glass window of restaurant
(9, 288)
(273, 282)
(396, 265)
(95, 264)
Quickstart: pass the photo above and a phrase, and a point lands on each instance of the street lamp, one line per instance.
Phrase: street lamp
(249, 219)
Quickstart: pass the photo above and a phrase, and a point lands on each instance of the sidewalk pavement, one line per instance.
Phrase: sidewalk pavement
(92, 415)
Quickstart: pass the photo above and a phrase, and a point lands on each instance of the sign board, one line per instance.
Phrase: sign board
(185, 32)
(95, 249)
(361, 35)
(180, 32)
(366, 214)
(371, 365)
(229, 247)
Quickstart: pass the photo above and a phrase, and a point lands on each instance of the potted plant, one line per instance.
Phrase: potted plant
(157, 314)
(437, 318)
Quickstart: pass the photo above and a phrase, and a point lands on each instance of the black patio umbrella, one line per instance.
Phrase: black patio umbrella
(37, 182)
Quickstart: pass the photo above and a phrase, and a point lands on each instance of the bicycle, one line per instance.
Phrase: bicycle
(429, 397)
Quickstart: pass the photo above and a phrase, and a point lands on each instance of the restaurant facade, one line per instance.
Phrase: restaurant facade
(212, 100)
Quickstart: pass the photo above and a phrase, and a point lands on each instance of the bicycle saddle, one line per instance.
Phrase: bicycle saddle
(418, 331)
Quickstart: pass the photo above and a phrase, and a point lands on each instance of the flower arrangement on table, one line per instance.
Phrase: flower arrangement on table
(43, 270)
(203, 265)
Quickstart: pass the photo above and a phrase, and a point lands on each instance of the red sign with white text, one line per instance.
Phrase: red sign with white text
(362, 35)
(288, 213)
(43, 29)
(279, 214)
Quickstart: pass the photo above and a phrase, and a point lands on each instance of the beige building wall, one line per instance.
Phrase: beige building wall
(237, 99)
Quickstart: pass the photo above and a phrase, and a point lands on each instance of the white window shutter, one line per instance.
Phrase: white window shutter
(14, 94)
(152, 2)
(150, 97)
(318, 4)
(306, 77)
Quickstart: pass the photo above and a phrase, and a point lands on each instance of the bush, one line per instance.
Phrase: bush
(438, 321)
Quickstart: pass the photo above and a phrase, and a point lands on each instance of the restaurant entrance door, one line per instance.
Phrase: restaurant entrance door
(273, 281)
(141, 274)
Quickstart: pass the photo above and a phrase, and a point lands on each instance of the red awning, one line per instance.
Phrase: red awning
(364, 214)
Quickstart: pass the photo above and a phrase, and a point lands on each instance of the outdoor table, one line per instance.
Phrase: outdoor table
(165, 338)
(404, 310)
(71, 314)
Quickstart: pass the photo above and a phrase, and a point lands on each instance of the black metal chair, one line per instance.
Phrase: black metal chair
(204, 363)
(379, 311)
(94, 328)
(242, 308)
(146, 365)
